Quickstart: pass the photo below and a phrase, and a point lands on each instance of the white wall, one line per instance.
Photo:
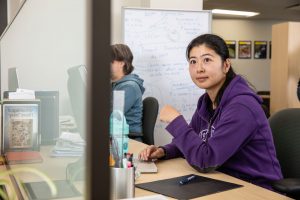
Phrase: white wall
(257, 71)
(177, 4)
(116, 16)
(45, 39)
(13, 7)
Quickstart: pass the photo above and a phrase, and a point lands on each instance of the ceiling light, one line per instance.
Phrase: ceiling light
(234, 12)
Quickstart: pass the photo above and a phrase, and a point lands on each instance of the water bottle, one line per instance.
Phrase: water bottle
(125, 137)
(119, 131)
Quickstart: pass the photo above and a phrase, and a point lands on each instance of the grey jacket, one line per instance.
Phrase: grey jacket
(132, 84)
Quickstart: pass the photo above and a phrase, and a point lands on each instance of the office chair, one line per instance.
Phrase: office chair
(150, 111)
(77, 92)
(285, 125)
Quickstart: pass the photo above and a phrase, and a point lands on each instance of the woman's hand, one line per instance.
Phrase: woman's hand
(168, 114)
(151, 152)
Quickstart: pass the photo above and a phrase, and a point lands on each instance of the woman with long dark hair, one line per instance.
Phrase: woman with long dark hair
(229, 130)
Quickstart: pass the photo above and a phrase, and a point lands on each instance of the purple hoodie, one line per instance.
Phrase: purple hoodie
(237, 139)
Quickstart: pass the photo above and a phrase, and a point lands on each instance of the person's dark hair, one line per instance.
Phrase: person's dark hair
(121, 52)
(217, 44)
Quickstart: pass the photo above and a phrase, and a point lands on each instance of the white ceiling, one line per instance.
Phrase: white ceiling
(286, 10)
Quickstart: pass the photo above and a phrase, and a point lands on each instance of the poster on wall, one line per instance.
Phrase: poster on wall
(245, 49)
(270, 49)
(231, 44)
(260, 49)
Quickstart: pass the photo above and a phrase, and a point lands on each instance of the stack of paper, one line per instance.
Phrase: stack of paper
(68, 144)
(22, 94)
(67, 123)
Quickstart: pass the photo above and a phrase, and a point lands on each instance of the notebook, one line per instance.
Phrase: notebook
(144, 166)
(197, 187)
(22, 157)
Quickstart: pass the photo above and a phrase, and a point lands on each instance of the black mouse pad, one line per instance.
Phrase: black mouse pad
(197, 187)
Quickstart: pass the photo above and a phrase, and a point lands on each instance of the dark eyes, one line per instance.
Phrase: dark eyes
(193, 62)
(205, 60)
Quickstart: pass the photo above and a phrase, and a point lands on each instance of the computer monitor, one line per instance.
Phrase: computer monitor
(77, 93)
(49, 116)
(13, 79)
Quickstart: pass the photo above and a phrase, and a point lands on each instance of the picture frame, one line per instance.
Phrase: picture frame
(21, 129)
(260, 49)
(245, 49)
(231, 44)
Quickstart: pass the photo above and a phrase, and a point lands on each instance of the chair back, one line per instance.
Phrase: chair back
(150, 111)
(77, 92)
(285, 125)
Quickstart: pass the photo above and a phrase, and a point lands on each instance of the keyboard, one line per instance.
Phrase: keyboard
(144, 166)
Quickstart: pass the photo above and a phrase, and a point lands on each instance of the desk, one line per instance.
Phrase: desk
(179, 167)
(53, 167)
(6, 178)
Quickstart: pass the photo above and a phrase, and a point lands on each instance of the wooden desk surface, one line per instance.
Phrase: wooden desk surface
(179, 167)
(55, 168)
(5, 179)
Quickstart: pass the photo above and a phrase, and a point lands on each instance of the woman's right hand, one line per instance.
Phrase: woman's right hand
(168, 114)
(151, 152)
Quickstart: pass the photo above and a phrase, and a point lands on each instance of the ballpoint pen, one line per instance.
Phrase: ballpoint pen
(187, 180)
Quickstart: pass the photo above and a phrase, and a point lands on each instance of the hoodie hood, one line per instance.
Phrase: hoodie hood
(131, 77)
(238, 86)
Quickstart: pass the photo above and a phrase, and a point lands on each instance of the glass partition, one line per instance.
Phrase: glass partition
(44, 54)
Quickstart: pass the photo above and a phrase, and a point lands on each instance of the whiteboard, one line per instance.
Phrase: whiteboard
(158, 40)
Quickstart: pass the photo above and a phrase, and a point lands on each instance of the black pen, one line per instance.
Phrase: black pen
(187, 180)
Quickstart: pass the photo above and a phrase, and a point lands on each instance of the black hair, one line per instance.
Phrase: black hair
(217, 44)
(121, 52)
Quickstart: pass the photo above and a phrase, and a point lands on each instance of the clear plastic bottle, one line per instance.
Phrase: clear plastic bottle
(119, 131)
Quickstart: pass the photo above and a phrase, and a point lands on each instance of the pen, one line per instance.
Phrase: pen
(187, 180)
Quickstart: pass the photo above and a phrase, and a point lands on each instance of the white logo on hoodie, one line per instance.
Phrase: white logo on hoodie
(204, 133)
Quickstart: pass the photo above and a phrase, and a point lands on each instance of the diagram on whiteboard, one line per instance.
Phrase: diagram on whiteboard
(158, 40)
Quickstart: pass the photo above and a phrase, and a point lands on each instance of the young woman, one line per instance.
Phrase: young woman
(229, 130)
(123, 79)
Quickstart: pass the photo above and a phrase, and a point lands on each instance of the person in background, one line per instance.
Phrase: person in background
(229, 131)
(123, 79)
